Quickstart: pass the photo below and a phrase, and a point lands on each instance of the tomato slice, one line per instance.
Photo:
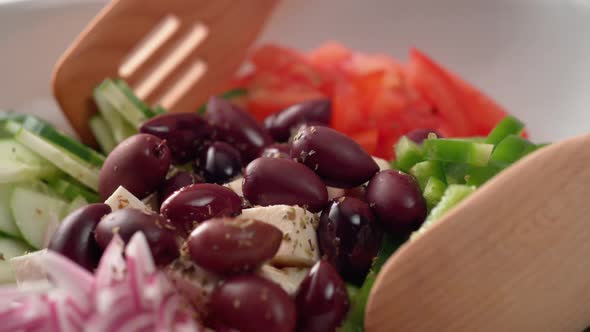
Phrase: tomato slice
(329, 55)
(483, 113)
(266, 100)
(435, 85)
(286, 63)
(469, 111)
(367, 139)
(347, 110)
(375, 99)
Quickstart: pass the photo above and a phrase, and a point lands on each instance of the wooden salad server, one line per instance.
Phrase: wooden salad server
(174, 53)
(514, 256)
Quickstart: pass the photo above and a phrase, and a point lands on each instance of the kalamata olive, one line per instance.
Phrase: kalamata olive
(419, 135)
(322, 301)
(335, 157)
(196, 203)
(237, 127)
(184, 133)
(280, 125)
(397, 201)
(177, 181)
(277, 150)
(139, 164)
(219, 162)
(74, 238)
(349, 237)
(159, 233)
(250, 303)
(272, 181)
(230, 246)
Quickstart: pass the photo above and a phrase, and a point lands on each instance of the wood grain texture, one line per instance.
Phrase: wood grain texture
(512, 257)
(98, 52)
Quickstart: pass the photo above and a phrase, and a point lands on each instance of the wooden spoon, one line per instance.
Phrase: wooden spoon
(175, 53)
(515, 256)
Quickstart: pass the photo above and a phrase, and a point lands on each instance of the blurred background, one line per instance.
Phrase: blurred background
(533, 56)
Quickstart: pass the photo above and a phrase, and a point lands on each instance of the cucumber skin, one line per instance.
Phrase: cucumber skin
(101, 131)
(49, 133)
(87, 174)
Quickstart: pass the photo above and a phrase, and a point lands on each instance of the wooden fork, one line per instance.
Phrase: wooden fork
(515, 256)
(175, 53)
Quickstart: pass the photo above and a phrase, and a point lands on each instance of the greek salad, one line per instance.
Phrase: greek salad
(270, 208)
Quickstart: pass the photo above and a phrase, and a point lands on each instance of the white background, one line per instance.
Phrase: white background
(533, 56)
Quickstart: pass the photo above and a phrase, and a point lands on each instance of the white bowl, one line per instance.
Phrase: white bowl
(532, 56)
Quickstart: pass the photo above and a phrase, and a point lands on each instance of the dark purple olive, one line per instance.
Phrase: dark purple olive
(397, 201)
(160, 235)
(184, 133)
(250, 303)
(272, 181)
(335, 157)
(349, 237)
(277, 150)
(230, 246)
(419, 135)
(196, 203)
(280, 125)
(139, 164)
(176, 182)
(322, 301)
(74, 238)
(219, 163)
(237, 127)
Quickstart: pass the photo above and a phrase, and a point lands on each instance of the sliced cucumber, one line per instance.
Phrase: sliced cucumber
(48, 132)
(112, 94)
(18, 163)
(69, 144)
(69, 190)
(14, 151)
(140, 104)
(78, 169)
(102, 133)
(10, 248)
(36, 214)
(7, 224)
(11, 172)
(119, 127)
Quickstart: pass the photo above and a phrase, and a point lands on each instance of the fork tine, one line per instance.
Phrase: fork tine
(108, 47)
(153, 82)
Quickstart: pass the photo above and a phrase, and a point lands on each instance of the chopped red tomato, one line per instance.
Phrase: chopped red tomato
(367, 139)
(281, 78)
(466, 109)
(375, 98)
